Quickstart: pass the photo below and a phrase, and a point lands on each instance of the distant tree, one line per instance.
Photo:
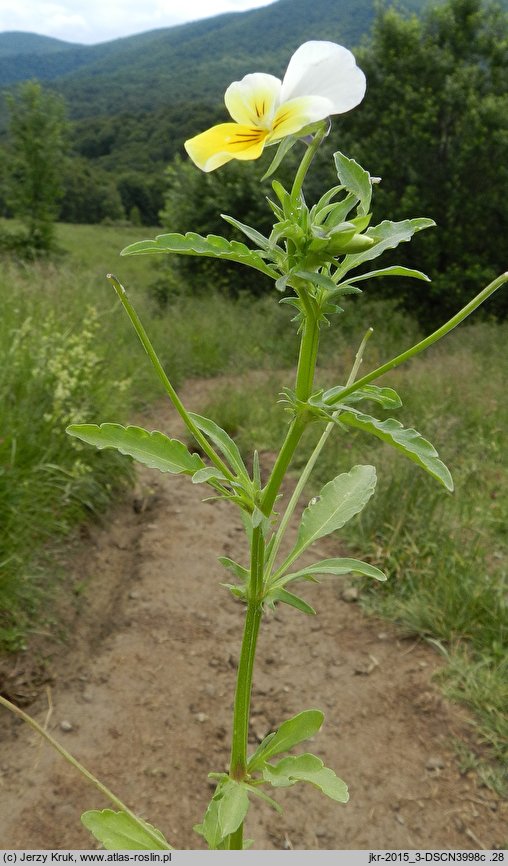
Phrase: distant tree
(142, 191)
(36, 154)
(90, 194)
(434, 126)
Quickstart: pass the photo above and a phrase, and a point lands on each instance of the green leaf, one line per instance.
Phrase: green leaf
(233, 807)
(192, 244)
(316, 279)
(278, 594)
(118, 831)
(284, 147)
(225, 812)
(336, 567)
(386, 397)
(152, 449)
(337, 503)
(394, 271)
(407, 440)
(208, 473)
(224, 443)
(306, 768)
(291, 732)
(386, 236)
(209, 827)
(250, 232)
(238, 570)
(355, 179)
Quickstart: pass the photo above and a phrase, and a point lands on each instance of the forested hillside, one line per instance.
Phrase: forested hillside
(436, 109)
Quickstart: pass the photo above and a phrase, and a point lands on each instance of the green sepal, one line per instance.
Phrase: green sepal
(154, 449)
(291, 732)
(306, 768)
(118, 831)
(404, 439)
(192, 244)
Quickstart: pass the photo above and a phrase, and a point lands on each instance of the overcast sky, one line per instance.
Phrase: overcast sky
(91, 21)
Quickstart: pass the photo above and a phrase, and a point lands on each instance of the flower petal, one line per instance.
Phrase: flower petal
(253, 100)
(224, 142)
(327, 70)
(297, 113)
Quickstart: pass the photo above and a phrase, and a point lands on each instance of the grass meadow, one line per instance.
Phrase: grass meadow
(69, 354)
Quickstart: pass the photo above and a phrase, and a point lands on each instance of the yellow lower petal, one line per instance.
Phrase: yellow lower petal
(222, 143)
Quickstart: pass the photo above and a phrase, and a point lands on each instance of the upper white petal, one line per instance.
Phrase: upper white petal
(324, 69)
(253, 100)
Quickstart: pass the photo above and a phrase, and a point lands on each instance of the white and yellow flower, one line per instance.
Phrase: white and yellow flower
(322, 79)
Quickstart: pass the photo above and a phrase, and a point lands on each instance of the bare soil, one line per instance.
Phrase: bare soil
(141, 686)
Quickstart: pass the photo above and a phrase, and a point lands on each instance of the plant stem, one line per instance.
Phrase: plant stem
(428, 341)
(304, 477)
(173, 396)
(241, 715)
(306, 161)
(304, 382)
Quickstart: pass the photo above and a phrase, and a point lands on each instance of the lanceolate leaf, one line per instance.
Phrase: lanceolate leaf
(192, 244)
(152, 449)
(293, 731)
(250, 232)
(394, 271)
(118, 831)
(306, 768)
(238, 570)
(335, 567)
(279, 594)
(337, 503)
(223, 441)
(210, 827)
(407, 440)
(209, 473)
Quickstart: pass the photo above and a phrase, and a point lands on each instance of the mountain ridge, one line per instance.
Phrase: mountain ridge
(193, 60)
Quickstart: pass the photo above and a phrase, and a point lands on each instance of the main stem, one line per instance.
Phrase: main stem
(304, 381)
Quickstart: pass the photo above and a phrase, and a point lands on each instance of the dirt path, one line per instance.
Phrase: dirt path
(143, 685)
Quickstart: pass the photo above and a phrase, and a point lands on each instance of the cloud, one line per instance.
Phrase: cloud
(92, 21)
